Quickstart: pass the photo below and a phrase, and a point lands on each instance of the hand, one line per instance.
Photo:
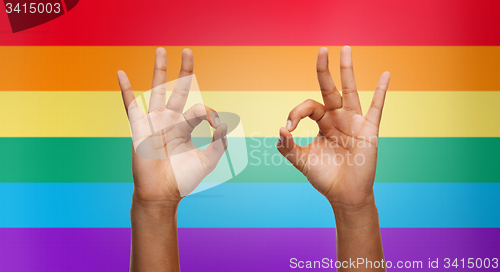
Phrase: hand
(166, 165)
(341, 161)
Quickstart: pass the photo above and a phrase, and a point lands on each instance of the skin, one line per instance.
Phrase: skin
(341, 161)
(344, 133)
(159, 184)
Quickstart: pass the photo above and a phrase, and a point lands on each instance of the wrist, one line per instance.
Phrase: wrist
(355, 216)
(154, 208)
(154, 235)
(353, 204)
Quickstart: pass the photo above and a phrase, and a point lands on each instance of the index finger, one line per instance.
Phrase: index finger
(308, 108)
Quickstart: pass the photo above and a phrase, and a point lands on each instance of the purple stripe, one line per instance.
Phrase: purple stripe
(229, 249)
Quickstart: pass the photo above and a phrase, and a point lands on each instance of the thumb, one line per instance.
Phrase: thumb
(291, 151)
(216, 149)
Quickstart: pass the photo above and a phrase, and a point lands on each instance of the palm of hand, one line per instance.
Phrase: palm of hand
(346, 148)
(172, 164)
(341, 161)
(166, 164)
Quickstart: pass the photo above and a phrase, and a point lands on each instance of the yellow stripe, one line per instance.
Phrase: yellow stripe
(250, 68)
(101, 114)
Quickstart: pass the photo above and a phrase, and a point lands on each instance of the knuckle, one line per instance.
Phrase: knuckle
(160, 67)
(200, 111)
(158, 90)
(187, 69)
(127, 89)
(348, 90)
(346, 66)
(310, 102)
(325, 91)
(374, 105)
(180, 92)
(322, 70)
(133, 105)
(199, 106)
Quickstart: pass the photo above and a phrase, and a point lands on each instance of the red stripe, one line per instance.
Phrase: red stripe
(269, 22)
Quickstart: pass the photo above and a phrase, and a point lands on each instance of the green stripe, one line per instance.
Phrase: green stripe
(109, 160)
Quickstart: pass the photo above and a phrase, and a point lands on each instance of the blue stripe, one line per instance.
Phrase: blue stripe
(256, 205)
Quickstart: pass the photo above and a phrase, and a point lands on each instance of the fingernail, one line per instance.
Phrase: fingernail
(224, 135)
(281, 138)
(288, 124)
(217, 121)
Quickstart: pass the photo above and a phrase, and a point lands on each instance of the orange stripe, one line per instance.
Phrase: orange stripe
(237, 68)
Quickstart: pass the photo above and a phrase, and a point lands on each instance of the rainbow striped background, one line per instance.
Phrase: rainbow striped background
(65, 174)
